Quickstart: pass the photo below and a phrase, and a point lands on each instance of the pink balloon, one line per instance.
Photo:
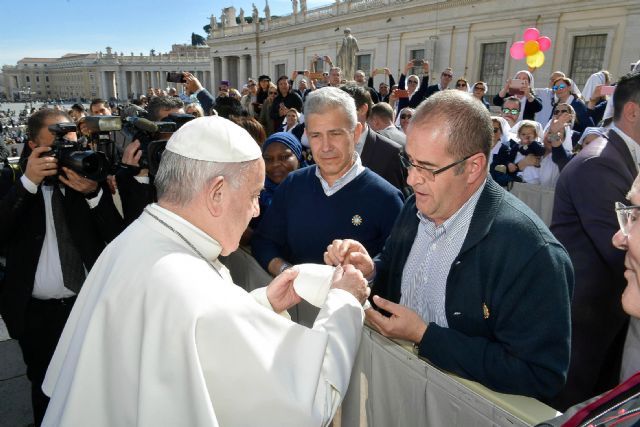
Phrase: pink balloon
(544, 42)
(517, 50)
(531, 34)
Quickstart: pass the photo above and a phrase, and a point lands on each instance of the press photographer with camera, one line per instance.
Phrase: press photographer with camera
(165, 115)
(56, 222)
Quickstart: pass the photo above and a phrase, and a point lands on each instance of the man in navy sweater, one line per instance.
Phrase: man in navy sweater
(469, 274)
(336, 197)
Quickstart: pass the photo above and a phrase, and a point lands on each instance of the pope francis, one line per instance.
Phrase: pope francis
(160, 335)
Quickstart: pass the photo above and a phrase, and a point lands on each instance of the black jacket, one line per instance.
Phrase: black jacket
(22, 215)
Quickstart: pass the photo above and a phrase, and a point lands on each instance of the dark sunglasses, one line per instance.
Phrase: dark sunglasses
(448, 75)
(511, 111)
(558, 112)
(273, 93)
(461, 84)
(405, 116)
(560, 86)
(478, 88)
(412, 81)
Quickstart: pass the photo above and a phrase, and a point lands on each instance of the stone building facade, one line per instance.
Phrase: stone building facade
(471, 36)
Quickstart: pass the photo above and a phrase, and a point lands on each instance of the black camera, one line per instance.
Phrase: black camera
(153, 136)
(87, 163)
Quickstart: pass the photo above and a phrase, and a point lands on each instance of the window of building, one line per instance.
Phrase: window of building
(416, 54)
(492, 66)
(280, 71)
(47, 78)
(587, 57)
(37, 78)
(27, 78)
(363, 62)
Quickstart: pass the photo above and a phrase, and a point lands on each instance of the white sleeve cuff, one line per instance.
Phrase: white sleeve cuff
(142, 179)
(260, 295)
(95, 201)
(28, 184)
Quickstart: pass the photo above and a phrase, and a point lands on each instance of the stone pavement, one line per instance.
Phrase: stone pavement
(15, 393)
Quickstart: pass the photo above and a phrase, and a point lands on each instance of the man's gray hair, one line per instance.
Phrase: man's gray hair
(328, 98)
(180, 179)
(466, 120)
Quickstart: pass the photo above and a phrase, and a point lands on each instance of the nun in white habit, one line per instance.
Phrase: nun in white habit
(161, 336)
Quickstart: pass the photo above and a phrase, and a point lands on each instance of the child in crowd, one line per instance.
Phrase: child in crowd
(524, 151)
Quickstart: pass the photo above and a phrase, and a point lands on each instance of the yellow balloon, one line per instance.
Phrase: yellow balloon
(531, 47)
(536, 60)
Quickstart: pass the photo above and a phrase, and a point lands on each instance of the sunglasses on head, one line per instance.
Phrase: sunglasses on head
(405, 116)
(560, 86)
(511, 111)
(558, 112)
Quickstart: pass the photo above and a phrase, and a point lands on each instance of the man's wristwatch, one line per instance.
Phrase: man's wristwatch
(93, 194)
(554, 137)
(284, 266)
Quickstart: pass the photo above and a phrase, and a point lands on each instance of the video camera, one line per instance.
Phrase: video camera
(153, 136)
(88, 163)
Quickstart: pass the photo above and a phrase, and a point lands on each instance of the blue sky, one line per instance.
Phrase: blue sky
(51, 28)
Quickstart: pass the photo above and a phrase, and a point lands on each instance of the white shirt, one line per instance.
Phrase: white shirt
(355, 170)
(48, 281)
(159, 337)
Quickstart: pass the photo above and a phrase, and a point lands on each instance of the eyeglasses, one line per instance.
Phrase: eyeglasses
(627, 216)
(273, 93)
(510, 111)
(427, 173)
(558, 87)
(478, 88)
(412, 82)
(558, 112)
(447, 75)
(405, 116)
(461, 85)
(496, 130)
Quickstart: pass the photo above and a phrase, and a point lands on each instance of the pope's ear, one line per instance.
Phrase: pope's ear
(217, 190)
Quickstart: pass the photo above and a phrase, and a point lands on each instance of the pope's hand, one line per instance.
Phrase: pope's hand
(342, 252)
(349, 279)
(404, 323)
(280, 292)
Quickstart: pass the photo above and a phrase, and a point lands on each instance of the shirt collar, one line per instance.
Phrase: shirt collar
(631, 144)
(355, 170)
(363, 138)
(458, 218)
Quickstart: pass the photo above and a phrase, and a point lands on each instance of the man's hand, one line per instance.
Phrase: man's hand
(342, 252)
(132, 153)
(40, 167)
(79, 183)
(404, 323)
(349, 279)
(191, 84)
(280, 292)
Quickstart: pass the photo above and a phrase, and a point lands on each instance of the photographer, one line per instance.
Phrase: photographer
(52, 234)
(132, 177)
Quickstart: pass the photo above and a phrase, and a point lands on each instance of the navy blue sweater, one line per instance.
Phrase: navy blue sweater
(302, 220)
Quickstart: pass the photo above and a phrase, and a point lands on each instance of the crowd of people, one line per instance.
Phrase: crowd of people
(402, 189)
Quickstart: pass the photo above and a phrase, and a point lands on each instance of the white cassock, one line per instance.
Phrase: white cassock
(158, 337)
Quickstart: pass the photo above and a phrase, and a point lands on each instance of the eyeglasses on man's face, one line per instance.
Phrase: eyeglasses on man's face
(513, 111)
(559, 87)
(424, 172)
(627, 216)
